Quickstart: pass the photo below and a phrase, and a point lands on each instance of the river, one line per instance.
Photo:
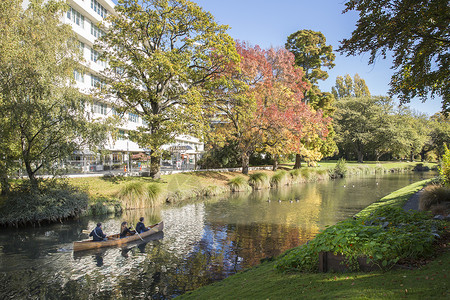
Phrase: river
(203, 241)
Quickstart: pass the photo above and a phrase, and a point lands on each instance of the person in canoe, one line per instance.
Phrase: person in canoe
(97, 234)
(140, 227)
(124, 229)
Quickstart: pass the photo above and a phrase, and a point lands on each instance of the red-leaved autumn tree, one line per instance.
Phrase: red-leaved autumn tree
(259, 105)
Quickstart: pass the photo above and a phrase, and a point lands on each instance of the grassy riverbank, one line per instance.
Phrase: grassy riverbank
(182, 186)
(266, 282)
(114, 194)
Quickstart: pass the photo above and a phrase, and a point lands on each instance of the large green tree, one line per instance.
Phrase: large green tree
(163, 56)
(364, 125)
(313, 55)
(440, 133)
(417, 32)
(42, 115)
(348, 87)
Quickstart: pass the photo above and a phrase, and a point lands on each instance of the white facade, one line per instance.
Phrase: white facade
(83, 16)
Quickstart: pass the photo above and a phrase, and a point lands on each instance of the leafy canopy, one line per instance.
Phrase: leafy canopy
(311, 53)
(261, 107)
(163, 56)
(418, 34)
(348, 87)
(42, 114)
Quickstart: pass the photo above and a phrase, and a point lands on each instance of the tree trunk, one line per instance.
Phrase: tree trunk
(4, 182)
(245, 163)
(31, 174)
(360, 157)
(275, 163)
(298, 161)
(155, 167)
(422, 155)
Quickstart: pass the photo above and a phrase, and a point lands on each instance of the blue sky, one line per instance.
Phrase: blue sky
(268, 24)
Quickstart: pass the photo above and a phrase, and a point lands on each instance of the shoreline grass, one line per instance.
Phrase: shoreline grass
(185, 186)
(104, 193)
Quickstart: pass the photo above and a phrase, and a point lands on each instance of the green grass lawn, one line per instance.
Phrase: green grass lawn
(183, 182)
(263, 282)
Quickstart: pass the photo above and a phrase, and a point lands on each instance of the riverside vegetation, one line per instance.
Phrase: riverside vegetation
(102, 195)
(383, 233)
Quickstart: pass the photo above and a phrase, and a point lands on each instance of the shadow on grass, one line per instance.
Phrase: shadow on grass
(212, 175)
(121, 179)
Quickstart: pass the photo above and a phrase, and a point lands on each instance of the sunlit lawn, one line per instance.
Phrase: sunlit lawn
(109, 187)
(263, 282)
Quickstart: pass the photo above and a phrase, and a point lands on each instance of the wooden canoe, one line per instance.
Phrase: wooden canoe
(114, 240)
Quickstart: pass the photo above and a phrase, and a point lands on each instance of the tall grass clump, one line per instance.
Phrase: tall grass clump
(51, 201)
(306, 173)
(296, 175)
(434, 195)
(259, 181)
(212, 190)
(153, 193)
(136, 194)
(279, 179)
(238, 184)
(340, 170)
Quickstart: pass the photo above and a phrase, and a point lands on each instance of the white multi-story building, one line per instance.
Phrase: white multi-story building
(84, 16)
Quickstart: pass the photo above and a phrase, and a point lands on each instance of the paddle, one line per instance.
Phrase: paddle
(137, 232)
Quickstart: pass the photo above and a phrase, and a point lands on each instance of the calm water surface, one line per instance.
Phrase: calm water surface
(203, 241)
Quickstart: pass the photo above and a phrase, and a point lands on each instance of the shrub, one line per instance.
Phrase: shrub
(51, 201)
(340, 170)
(238, 184)
(220, 157)
(259, 181)
(434, 195)
(384, 237)
(279, 179)
(103, 206)
(444, 168)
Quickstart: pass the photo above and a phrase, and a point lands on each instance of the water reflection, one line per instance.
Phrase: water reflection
(202, 242)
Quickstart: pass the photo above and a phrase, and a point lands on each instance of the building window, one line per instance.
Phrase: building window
(75, 17)
(98, 8)
(99, 108)
(133, 118)
(95, 58)
(81, 47)
(115, 112)
(121, 136)
(96, 82)
(79, 76)
(95, 31)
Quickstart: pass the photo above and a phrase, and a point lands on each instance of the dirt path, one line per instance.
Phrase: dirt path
(413, 202)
